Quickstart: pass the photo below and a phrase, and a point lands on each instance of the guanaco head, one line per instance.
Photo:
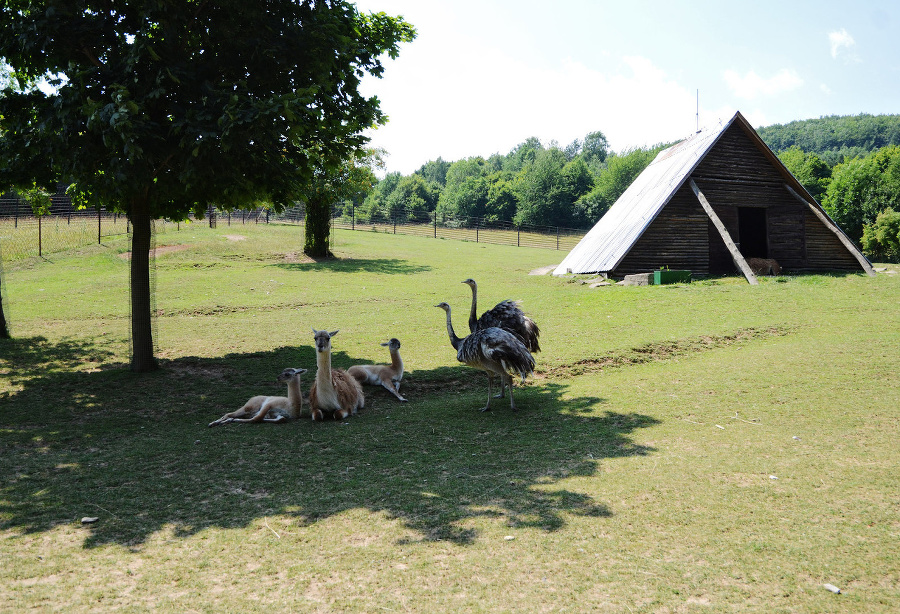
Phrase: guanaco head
(288, 374)
(322, 339)
(393, 344)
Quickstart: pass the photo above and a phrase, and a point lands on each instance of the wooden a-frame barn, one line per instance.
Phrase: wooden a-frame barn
(706, 205)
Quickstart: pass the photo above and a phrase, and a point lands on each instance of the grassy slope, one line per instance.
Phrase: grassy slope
(637, 475)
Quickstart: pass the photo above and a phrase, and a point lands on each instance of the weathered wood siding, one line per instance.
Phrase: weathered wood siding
(733, 174)
(676, 239)
(824, 250)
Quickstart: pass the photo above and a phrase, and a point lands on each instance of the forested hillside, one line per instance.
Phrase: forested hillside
(835, 139)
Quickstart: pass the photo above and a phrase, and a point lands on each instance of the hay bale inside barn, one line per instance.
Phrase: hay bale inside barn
(707, 205)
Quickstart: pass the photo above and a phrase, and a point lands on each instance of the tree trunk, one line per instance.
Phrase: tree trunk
(142, 359)
(318, 229)
(4, 330)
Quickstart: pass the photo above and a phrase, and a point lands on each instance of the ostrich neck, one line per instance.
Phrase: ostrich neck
(295, 397)
(323, 370)
(454, 340)
(473, 314)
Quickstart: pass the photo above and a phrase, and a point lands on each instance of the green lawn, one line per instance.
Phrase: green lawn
(709, 447)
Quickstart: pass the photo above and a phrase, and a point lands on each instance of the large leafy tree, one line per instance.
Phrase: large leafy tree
(349, 180)
(862, 188)
(162, 107)
(809, 169)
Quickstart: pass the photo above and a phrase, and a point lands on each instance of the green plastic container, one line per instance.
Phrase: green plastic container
(671, 277)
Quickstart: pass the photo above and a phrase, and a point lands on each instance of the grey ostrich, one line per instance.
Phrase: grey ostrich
(506, 315)
(492, 350)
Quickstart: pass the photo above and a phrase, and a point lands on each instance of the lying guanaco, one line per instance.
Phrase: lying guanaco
(388, 376)
(271, 409)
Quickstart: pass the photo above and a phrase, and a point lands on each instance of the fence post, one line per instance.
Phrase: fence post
(40, 248)
(99, 234)
(435, 224)
(518, 234)
(352, 216)
(557, 237)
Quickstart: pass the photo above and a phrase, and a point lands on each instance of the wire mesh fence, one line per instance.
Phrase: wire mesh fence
(25, 235)
(476, 229)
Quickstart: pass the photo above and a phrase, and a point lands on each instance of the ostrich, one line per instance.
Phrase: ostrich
(333, 390)
(492, 350)
(506, 315)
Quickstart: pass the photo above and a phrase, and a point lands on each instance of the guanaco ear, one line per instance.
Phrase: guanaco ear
(315, 332)
(299, 370)
(334, 333)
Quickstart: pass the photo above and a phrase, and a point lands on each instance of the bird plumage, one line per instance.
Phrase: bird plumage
(507, 315)
(492, 350)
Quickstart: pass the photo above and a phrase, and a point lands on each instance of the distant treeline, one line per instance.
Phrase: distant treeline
(533, 184)
(835, 139)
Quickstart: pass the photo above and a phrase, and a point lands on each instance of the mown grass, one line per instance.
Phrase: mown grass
(695, 448)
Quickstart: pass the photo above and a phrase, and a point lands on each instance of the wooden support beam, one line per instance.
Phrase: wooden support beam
(837, 231)
(723, 232)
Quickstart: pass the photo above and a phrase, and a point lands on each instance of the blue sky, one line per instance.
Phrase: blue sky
(482, 76)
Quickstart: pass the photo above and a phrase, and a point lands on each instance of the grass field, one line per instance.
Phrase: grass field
(710, 447)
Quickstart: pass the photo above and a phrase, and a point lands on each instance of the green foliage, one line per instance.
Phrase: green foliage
(435, 171)
(37, 197)
(881, 240)
(621, 170)
(173, 103)
(412, 199)
(835, 139)
(375, 204)
(809, 169)
(464, 193)
(863, 187)
(522, 154)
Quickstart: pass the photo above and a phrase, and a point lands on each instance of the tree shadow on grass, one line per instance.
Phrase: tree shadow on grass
(135, 451)
(382, 266)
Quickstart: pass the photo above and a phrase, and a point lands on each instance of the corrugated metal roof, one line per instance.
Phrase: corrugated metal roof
(604, 246)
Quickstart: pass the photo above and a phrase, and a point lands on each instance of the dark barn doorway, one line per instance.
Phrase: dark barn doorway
(752, 232)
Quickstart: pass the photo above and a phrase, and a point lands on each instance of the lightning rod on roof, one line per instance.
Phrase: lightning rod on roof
(698, 110)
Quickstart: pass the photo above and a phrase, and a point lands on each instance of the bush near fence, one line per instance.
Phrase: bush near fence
(24, 235)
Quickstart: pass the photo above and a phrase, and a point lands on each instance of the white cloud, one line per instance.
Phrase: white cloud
(751, 85)
(842, 46)
(464, 110)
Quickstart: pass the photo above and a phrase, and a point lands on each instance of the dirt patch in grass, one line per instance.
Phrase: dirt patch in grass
(159, 251)
(543, 270)
(236, 237)
(295, 258)
(659, 351)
